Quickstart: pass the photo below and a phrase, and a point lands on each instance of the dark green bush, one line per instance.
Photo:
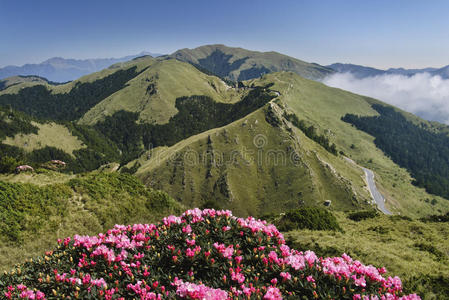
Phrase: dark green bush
(422, 284)
(25, 207)
(379, 229)
(363, 215)
(430, 249)
(313, 218)
(400, 218)
(311, 132)
(131, 170)
(8, 164)
(436, 218)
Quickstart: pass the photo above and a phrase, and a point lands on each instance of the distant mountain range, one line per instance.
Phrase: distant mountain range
(363, 71)
(60, 69)
(227, 62)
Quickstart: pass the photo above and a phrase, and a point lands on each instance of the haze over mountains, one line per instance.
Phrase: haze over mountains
(60, 69)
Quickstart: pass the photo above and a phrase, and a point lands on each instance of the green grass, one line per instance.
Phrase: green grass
(415, 251)
(40, 178)
(49, 134)
(313, 218)
(35, 215)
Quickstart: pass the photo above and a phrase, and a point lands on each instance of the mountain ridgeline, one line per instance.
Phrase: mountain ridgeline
(147, 114)
(196, 114)
(40, 102)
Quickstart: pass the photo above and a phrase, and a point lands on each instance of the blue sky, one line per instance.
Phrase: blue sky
(378, 33)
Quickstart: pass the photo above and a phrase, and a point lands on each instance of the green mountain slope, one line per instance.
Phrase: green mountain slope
(153, 92)
(17, 83)
(145, 86)
(225, 164)
(254, 166)
(413, 146)
(15, 80)
(27, 140)
(42, 101)
(240, 64)
(324, 107)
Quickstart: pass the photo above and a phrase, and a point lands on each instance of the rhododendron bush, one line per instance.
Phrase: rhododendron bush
(203, 254)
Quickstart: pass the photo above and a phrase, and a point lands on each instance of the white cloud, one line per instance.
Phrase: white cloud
(422, 94)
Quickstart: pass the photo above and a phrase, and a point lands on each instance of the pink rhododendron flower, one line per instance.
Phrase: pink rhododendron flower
(273, 293)
(251, 260)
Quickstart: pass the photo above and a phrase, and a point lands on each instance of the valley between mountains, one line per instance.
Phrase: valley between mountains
(227, 128)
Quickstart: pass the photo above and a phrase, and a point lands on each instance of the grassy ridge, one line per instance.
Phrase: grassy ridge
(153, 93)
(253, 166)
(195, 115)
(39, 101)
(84, 204)
(321, 177)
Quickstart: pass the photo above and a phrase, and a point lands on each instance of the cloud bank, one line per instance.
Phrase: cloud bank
(422, 94)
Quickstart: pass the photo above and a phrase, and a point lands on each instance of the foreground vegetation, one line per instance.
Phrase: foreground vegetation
(415, 250)
(204, 254)
(83, 204)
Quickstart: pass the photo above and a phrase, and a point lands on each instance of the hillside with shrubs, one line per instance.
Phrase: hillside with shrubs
(202, 254)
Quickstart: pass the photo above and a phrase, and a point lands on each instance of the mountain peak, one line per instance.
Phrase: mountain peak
(239, 64)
